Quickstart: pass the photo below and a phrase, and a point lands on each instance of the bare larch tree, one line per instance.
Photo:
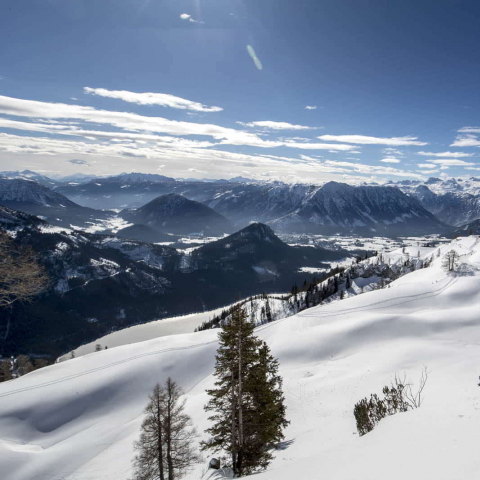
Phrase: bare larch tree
(165, 448)
(450, 261)
(21, 276)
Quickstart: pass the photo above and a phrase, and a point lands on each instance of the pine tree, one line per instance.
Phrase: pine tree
(165, 450)
(247, 402)
(268, 410)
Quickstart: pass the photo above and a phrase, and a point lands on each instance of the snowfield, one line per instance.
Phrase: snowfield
(77, 420)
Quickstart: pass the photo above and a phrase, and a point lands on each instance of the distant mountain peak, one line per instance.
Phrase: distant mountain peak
(173, 213)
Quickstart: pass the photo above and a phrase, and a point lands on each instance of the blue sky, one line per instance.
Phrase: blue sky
(219, 88)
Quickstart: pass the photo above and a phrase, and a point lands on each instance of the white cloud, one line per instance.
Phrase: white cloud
(389, 151)
(365, 140)
(134, 122)
(188, 17)
(470, 130)
(466, 141)
(390, 160)
(451, 162)
(122, 120)
(276, 125)
(372, 169)
(149, 98)
(425, 165)
(446, 154)
(311, 107)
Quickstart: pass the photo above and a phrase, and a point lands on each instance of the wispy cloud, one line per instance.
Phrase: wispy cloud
(370, 169)
(390, 151)
(189, 18)
(469, 130)
(366, 140)
(446, 154)
(132, 124)
(311, 107)
(466, 141)
(149, 98)
(390, 160)
(78, 161)
(451, 162)
(276, 125)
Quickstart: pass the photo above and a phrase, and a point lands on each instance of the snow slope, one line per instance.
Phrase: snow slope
(77, 420)
(148, 331)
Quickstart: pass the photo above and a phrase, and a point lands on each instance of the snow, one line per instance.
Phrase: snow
(78, 419)
(147, 331)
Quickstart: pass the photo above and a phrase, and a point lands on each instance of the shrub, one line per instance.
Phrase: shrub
(399, 397)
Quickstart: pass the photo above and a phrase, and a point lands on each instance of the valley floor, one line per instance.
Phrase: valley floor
(77, 420)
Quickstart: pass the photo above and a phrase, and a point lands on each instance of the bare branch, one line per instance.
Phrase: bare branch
(21, 276)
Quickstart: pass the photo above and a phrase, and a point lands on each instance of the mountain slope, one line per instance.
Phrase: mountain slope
(36, 199)
(58, 419)
(454, 201)
(176, 214)
(364, 209)
(29, 175)
(471, 228)
(103, 283)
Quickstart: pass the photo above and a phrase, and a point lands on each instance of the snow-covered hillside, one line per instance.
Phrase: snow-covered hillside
(78, 419)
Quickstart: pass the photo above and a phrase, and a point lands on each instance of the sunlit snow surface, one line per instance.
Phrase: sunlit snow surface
(77, 420)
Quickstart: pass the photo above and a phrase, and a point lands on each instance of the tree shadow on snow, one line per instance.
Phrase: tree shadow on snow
(284, 445)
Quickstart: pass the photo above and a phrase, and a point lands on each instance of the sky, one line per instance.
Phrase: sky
(290, 90)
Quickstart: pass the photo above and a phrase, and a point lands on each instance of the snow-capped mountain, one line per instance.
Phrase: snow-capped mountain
(79, 418)
(31, 197)
(29, 191)
(331, 208)
(29, 175)
(454, 201)
(173, 213)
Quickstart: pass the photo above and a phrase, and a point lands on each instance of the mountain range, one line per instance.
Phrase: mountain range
(330, 208)
(407, 207)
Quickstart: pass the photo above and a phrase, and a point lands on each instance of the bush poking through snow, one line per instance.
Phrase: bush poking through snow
(399, 397)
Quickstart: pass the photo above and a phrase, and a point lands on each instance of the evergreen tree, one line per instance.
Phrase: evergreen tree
(268, 311)
(165, 450)
(247, 402)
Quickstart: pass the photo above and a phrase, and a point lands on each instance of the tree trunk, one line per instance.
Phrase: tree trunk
(169, 434)
(160, 442)
(240, 406)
